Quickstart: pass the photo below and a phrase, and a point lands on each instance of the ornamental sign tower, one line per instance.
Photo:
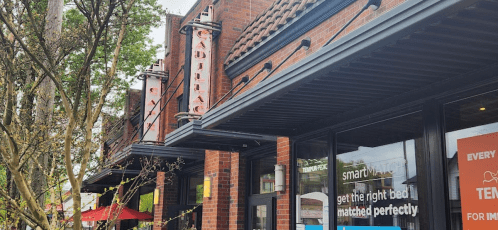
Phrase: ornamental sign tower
(201, 65)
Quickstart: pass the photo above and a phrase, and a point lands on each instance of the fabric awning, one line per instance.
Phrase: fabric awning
(110, 212)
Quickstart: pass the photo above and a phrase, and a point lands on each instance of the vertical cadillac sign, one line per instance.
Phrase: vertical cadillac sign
(201, 65)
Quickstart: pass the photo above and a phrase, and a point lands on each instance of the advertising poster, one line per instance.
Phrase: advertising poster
(478, 166)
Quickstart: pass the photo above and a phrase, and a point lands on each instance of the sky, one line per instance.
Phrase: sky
(180, 7)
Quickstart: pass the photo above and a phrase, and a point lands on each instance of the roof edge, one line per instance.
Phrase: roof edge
(381, 31)
(300, 25)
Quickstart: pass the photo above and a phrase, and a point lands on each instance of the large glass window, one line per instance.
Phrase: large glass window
(196, 189)
(312, 188)
(377, 174)
(263, 175)
(472, 163)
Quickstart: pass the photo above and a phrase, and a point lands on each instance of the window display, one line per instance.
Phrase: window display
(472, 162)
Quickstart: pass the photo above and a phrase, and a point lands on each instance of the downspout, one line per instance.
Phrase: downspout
(186, 72)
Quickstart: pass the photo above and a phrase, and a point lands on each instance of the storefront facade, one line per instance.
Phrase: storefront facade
(392, 125)
(374, 120)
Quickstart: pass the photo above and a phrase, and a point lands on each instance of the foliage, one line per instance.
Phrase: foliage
(146, 202)
(49, 140)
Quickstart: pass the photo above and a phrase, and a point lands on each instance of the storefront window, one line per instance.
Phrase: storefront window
(312, 189)
(472, 163)
(263, 175)
(377, 174)
(259, 217)
(196, 189)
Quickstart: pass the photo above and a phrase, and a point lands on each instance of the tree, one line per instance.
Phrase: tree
(98, 41)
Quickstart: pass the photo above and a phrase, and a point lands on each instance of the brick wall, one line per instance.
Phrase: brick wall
(226, 206)
(172, 63)
(112, 126)
(237, 192)
(168, 195)
(319, 35)
(283, 198)
(234, 15)
(215, 209)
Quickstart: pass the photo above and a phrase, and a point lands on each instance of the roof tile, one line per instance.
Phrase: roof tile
(266, 23)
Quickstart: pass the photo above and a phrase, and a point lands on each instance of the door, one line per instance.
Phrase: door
(262, 212)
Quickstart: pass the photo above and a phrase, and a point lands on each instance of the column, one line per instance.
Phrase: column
(215, 209)
(283, 198)
(237, 192)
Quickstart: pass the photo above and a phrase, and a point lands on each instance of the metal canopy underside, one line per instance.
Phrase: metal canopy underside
(417, 50)
(192, 135)
(106, 178)
(131, 155)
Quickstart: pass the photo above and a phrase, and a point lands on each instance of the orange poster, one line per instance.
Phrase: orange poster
(478, 165)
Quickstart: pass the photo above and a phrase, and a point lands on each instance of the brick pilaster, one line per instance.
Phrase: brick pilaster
(120, 195)
(237, 192)
(215, 209)
(158, 208)
(283, 198)
(168, 195)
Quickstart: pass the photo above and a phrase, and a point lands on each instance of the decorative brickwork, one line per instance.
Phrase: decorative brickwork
(283, 198)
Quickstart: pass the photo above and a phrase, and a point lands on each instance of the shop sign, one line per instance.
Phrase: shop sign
(315, 168)
(201, 65)
(152, 96)
(478, 166)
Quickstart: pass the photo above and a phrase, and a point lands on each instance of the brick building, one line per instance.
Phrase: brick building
(272, 114)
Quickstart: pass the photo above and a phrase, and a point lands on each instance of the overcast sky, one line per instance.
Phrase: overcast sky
(179, 7)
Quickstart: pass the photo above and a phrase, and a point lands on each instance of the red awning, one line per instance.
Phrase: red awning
(109, 212)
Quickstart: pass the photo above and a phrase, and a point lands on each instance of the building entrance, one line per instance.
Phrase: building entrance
(262, 212)
(262, 195)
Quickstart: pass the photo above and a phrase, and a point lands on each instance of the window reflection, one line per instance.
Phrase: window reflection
(196, 189)
(312, 192)
(259, 217)
(263, 174)
(377, 179)
(473, 119)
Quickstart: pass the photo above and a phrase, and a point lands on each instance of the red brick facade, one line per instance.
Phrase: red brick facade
(283, 198)
(237, 191)
(168, 195)
(215, 209)
(226, 207)
(319, 35)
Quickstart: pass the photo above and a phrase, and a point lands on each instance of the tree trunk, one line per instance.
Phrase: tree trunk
(46, 92)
